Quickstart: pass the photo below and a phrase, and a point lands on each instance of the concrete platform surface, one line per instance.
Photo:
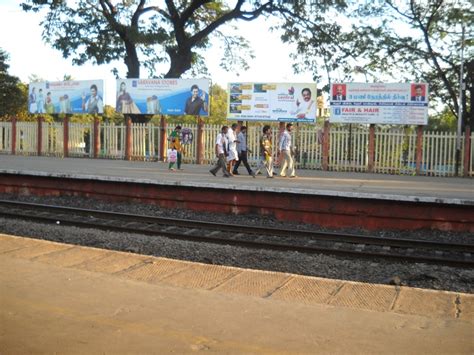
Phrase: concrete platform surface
(361, 185)
(59, 298)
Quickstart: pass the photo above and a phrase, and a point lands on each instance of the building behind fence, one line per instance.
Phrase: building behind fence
(352, 148)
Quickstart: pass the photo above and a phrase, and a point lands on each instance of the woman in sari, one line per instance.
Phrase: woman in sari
(125, 103)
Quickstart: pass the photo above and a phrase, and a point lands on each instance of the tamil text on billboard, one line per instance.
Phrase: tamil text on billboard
(405, 104)
(272, 102)
(72, 97)
(163, 96)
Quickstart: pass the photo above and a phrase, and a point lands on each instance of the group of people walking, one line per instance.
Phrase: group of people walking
(231, 151)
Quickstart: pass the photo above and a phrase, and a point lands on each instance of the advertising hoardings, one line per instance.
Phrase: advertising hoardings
(272, 102)
(163, 96)
(398, 103)
(73, 97)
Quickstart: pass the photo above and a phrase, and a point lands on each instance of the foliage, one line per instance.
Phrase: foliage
(175, 32)
(428, 50)
(411, 41)
(443, 121)
(13, 94)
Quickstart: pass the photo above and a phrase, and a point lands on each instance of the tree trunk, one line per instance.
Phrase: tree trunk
(131, 61)
(180, 62)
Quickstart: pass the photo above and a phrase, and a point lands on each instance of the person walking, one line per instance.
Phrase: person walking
(284, 151)
(266, 160)
(221, 152)
(175, 143)
(232, 155)
(242, 150)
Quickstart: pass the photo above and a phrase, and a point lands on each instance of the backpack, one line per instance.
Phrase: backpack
(172, 155)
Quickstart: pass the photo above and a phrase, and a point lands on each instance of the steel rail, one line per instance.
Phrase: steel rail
(154, 226)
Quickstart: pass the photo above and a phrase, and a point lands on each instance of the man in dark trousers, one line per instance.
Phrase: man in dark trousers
(243, 150)
(221, 152)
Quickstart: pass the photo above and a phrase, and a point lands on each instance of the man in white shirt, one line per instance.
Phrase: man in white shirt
(232, 156)
(221, 152)
(307, 107)
(284, 150)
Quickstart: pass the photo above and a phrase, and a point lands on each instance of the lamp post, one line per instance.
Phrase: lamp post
(461, 88)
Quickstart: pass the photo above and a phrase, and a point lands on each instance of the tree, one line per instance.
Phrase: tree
(13, 94)
(176, 31)
(416, 41)
(429, 49)
(173, 32)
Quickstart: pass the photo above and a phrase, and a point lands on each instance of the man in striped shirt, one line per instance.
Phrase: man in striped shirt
(284, 150)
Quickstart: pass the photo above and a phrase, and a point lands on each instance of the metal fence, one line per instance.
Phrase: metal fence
(394, 153)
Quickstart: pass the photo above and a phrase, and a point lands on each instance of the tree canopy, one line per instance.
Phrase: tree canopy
(13, 94)
(138, 33)
(412, 41)
(175, 31)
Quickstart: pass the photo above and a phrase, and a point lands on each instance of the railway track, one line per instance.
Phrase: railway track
(348, 245)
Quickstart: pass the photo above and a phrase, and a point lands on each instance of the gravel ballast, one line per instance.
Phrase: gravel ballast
(383, 272)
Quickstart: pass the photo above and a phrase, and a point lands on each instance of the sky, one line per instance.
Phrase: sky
(29, 55)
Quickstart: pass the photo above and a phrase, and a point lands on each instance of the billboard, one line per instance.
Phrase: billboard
(399, 103)
(294, 102)
(163, 96)
(73, 97)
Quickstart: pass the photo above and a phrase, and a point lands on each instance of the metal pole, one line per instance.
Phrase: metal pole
(461, 88)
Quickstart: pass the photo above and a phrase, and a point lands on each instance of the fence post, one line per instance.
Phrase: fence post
(163, 138)
(419, 148)
(467, 150)
(13, 136)
(96, 133)
(66, 136)
(128, 138)
(40, 135)
(200, 141)
(371, 157)
(326, 143)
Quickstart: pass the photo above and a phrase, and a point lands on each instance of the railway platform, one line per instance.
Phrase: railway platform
(329, 199)
(59, 298)
(345, 184)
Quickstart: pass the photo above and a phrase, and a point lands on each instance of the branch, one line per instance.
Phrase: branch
(432, 56)
(235, 13)
(398, 11)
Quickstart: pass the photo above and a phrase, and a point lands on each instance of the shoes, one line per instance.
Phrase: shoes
(253, 175)
(235, 173)
(269, 177)
(172, 169)
(282, 175)
(293, 176)
(213, 173)
(226, 175)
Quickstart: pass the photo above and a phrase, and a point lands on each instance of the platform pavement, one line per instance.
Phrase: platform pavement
(362, 185)
(59, 298)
